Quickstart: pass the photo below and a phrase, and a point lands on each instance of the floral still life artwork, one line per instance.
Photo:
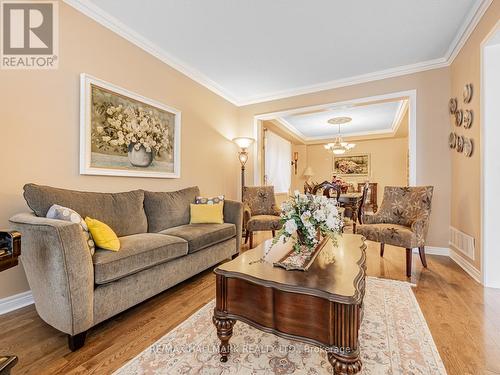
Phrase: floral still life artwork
(307, 219)
(124, 134)
(352, 165)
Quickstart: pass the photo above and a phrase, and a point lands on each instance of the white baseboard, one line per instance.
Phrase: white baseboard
(433, 250)
(15, 302)
(466, 266)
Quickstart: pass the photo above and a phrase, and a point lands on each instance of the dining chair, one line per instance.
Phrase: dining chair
(328, 189)
(348, 221)
(402, 220)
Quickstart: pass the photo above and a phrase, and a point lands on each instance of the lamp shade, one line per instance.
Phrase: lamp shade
(243, 142)
(308, 172)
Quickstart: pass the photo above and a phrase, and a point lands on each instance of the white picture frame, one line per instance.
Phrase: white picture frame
(111, 160)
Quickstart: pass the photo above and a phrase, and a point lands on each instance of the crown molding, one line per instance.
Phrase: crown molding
(110, 22)
(466, 29)
(350, 81)
(403, 106)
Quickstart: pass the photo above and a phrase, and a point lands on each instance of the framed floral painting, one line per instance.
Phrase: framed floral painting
(351, 165)
(125, 134)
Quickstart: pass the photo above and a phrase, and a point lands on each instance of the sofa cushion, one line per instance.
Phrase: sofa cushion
(123, 212)
(168, 209)
(200, 236)
(138, 252)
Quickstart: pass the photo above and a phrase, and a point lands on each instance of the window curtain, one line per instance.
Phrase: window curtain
(277, 159)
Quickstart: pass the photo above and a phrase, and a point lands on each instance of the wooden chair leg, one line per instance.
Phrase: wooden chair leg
(421, 252)
(251, 240)
(246, 236)
(273, 232)
(354, 227)
(382, 248)
(408, 262)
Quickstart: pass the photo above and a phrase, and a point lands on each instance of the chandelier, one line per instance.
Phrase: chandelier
(339, 147)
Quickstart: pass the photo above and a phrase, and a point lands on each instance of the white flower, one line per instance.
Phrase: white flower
(332, 221)
(306, 215)
(319, 215)
(290, 226)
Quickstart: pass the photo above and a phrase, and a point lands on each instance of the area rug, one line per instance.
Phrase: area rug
(394, 339)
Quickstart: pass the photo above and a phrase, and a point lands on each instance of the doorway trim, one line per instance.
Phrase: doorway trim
(483, 154)
(411, 95)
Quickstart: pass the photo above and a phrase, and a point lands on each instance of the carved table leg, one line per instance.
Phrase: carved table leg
(343, 365)
(224, 332)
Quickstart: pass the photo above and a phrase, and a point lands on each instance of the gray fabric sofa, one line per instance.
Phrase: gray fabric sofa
(74, 290)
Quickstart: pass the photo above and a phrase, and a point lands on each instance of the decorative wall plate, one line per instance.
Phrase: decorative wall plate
(468, 147)
(460, 143)
(459, 117)
(452, 140)
(467, 93)
(453, 105)
(468, 118)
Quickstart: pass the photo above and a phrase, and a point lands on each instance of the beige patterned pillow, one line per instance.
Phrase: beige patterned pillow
(67, 214)
(212, 200)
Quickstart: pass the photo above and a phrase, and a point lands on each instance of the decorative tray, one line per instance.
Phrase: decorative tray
(303, 260)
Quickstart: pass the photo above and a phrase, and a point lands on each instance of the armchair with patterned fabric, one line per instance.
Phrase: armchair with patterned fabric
(402, 220)
(259, 211)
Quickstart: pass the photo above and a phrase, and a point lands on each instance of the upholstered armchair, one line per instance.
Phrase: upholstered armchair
(259, 211)
(402, 220)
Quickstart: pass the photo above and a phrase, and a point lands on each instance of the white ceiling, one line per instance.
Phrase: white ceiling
(250, 51)
(379, 118)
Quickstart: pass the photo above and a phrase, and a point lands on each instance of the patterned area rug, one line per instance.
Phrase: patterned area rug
(394, 339)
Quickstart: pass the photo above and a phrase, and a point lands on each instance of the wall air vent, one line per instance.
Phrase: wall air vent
(462, 242)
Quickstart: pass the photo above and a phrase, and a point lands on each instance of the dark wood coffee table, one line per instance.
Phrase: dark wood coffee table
(322, 306)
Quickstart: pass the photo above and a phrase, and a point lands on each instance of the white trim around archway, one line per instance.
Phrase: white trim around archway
(490, 163)
(410, 95)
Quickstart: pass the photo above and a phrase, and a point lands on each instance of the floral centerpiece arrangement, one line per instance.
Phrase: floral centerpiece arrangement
(344, 186)
(306, 218)
(129, 130)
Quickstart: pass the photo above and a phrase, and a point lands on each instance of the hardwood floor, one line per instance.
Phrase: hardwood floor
(463, 317)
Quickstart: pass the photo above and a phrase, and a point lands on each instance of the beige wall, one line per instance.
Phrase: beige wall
(466, 177)
(387, 158)
(433, 156)
(39, 121)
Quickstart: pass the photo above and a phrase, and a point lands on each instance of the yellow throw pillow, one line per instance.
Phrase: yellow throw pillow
(103, 235)
(207, 213)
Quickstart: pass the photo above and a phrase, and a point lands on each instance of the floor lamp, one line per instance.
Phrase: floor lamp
(243, 143)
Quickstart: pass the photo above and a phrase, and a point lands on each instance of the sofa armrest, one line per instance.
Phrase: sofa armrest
(233, 213)
(59, 269)
(276, 211)
(247, 215)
